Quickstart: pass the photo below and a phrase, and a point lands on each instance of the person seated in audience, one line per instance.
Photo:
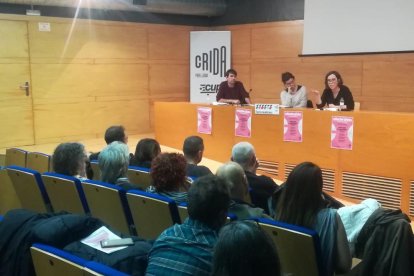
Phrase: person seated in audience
(292, 95)
(113, 162)
(335, 92)
(243, 248)
(70, 159)
(301, 203)
(113, 133)
(262, 187)
(169, 177)
(187, 248)
(234, 175)
(146, 150)
(193, 149)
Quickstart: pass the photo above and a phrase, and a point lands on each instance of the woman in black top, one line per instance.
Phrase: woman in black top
(334, 91)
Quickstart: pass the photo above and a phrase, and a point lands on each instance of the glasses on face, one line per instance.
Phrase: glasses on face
(332, 80)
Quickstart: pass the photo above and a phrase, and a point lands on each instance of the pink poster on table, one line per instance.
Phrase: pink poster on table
(243, 122)
(204, 120)
(292, 129)
(342, 132)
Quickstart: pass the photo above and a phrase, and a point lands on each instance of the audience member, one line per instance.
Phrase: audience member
(186, 249)
(146, 150)
(262, 187)
(243, 248)
(335, 92)
(169, 176)
(235, 177)
(232, 91)
(301, 203)
(293, 95)
(193, 149)
(113, 162)
(70, 159)
(113, 133)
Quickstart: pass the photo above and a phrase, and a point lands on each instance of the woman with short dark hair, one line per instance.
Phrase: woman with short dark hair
(70, 159)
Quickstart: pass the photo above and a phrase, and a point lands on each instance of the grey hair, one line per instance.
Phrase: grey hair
(235, 178)
(242, 153)
(113, 161)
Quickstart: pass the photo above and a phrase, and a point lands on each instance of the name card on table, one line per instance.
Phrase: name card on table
(270, 109)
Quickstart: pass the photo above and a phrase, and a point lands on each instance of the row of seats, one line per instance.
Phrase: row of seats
(133, 212)
(145, 214)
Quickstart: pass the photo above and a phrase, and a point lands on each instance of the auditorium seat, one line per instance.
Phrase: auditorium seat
(65, 193)
(38, 161)
(51, 261)
(139, 176)
(29, 188)
(93, 268)
(151, 213)
(8, 197)
(298, 247)
(15, 156)
(48, 260)
(108, 202)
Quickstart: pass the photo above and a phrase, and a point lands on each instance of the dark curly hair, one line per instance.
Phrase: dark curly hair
(168, 171)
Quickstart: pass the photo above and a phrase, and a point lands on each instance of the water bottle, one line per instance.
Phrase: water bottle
(341, 103)
(208, 98)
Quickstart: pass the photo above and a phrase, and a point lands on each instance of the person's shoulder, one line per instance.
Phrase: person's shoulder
(345, 88)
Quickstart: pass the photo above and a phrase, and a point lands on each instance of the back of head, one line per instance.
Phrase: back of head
(146, 150)
(208, 201)
(113, 161)
(235, 177)
(243, 248)
(168, 171)
(287, 76)
(192, 146)
(301, 197)
(243, 153)
(69, 159)
(115, 133)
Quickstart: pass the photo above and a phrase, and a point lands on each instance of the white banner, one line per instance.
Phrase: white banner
(209, 60)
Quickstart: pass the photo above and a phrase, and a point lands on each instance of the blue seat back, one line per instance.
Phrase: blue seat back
(65, 193)
(109, 203)
(152, 213)
(30, 189)
(298, 247)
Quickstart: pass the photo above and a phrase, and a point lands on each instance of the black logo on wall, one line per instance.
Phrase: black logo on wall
(213, 61)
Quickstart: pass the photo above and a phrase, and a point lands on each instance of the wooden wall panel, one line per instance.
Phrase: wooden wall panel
(88, 40)
(171, 43)
(86, 80)
(277, 41)
(13, 39)
(169, 81)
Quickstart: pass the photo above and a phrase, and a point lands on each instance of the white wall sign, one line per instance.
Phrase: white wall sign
(209, 60)
(44, 27)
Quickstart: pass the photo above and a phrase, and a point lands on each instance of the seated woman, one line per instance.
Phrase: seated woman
(243, 248)
(70, 159)
(168, 172)
(301, 203)
(113, 162)
(147, 149)
(335, 93)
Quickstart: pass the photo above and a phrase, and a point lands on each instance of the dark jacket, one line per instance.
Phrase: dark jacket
(386, 244)
(21, 228)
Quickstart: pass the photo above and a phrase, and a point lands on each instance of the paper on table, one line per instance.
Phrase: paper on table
(103, 233)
